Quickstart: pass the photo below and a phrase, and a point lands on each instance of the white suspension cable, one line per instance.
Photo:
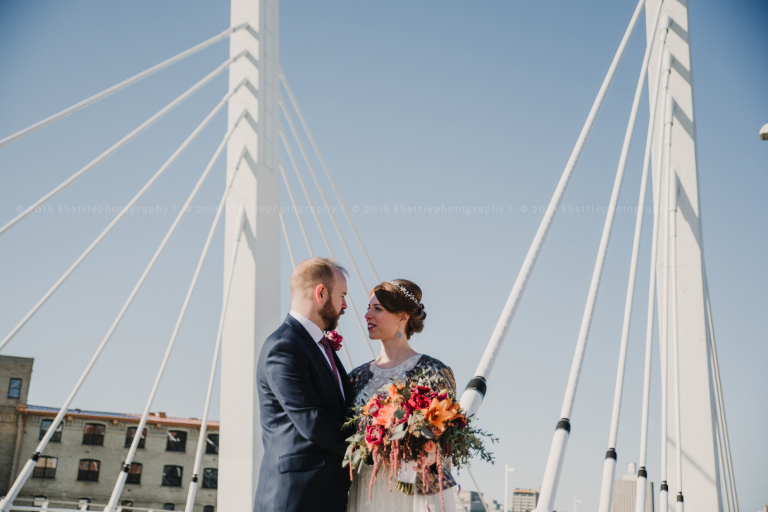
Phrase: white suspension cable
(640, 496)
(664, 302)
(475, 391)
(325, 238)
(296, 209)
(287, 240)
(609, 465)
(29, 466)
(306, 194)
(672, 234)
(190, 505)
(122, 142)
(123, 476)
(726, 443)
(723, 439)
(304, 124)
(721, 459)
(303, 230)
(325, 200)
(560, 438)
(125, 83)
(119, 216)
(306, 240)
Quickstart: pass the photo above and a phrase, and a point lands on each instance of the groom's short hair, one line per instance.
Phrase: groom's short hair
(309, 273)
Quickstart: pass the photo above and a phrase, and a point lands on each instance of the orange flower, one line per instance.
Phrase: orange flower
(385, 414)
(372, 402)
(392, 390)
(441, 411)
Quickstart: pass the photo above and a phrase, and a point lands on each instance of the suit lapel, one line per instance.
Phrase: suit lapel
(317, 353)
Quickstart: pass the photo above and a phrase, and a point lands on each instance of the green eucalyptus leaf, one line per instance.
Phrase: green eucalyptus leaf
(397, 435)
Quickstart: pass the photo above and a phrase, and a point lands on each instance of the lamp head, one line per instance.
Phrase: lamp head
(764, 132)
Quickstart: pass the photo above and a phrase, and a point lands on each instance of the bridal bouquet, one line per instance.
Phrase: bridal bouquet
(412, 425)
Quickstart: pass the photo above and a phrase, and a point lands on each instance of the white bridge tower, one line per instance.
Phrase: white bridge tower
(253, 154)
(698, 413)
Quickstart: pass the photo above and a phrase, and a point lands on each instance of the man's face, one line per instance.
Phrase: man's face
(335, 304)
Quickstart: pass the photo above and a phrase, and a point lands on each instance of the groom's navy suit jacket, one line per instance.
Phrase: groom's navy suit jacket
(302, 412)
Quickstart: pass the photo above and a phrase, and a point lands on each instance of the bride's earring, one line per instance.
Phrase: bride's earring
(399, 332)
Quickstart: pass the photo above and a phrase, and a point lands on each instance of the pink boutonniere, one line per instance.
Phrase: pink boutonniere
(334, 339)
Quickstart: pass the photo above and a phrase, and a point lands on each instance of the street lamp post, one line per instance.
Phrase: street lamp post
(507, 471)
(575, 501)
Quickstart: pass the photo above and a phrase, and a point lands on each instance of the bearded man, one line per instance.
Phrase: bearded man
(304, 398)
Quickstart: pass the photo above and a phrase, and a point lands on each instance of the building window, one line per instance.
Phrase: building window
(177, 441)
(45, 467)
(89, 470)
(210, 478)
(167, 506)
(172, 476)
(45, 425)
(125, 505)
(134, 474)
(14, 390)
(212, 444)
(94, 434)
(208, 508)
(82, 503)
(132, 432)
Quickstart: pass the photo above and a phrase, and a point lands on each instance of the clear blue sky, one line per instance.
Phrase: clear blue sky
(438, 103)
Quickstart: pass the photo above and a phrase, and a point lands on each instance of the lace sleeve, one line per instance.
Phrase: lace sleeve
(432, 365)
(359, 377)
(448, 374)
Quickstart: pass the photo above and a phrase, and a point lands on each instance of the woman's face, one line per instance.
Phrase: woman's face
(382, 325)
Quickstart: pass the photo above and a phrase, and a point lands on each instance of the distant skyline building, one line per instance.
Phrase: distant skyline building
(524, 500)
(625, 492)
(88, 450)
(471, 501)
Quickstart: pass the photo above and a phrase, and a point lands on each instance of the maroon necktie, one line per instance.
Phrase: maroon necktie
(329, 353)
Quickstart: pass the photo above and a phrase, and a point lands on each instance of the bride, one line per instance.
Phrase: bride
(395, 313)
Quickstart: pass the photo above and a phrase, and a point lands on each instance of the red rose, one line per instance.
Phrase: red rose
(418, 401)
(374, 435)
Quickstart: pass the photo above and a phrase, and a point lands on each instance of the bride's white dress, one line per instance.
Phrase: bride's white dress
(383, 500)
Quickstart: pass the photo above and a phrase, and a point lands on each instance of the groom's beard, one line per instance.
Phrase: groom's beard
(329, 315)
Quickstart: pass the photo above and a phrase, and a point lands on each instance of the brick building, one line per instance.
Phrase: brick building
(85, 455)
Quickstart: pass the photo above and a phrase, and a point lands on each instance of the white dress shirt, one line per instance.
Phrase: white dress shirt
(317, 335)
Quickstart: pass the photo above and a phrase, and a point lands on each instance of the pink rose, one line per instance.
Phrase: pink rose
(374, 435)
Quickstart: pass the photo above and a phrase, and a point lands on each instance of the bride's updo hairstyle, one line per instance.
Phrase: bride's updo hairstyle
(402, 296)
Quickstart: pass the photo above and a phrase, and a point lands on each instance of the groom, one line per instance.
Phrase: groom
(304, 396)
